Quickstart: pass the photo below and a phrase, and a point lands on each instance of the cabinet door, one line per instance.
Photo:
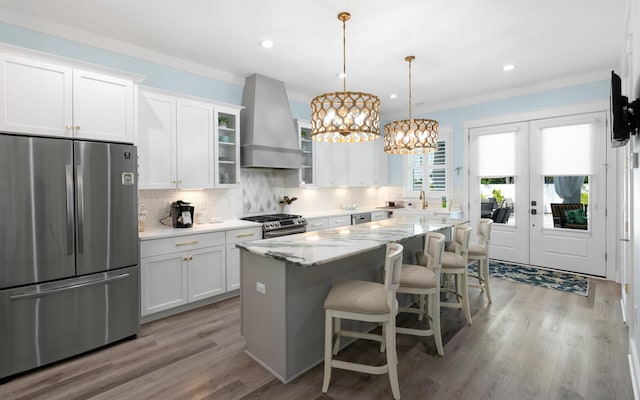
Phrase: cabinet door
(35, 97)
(163, 282)
(227, 151)
(102, 107)
(233, 267)
(206, 271)
(195, 145)
(380, 164)
(307, 170)
(340, 165)
(156, 141)
(360, 163)
(323, 164)
(233, 254)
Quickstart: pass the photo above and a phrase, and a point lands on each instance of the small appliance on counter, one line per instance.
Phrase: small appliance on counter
(182, 214)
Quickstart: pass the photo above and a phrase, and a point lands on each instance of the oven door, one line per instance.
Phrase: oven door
(284, 232)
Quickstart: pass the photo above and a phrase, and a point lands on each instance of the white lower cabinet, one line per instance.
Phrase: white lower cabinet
(206, 273)
(163, 282)
(233, 253)
(182, 269)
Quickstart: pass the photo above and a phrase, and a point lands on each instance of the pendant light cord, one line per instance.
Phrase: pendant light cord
(344, 55)
(410, 58)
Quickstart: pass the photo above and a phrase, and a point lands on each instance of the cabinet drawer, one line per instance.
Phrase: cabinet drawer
(315, 224)
(339, 221)
(173, 244)
(379, 215)
(243, 235)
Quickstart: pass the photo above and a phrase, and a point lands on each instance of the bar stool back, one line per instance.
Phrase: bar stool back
(424, 281)
(370, 302)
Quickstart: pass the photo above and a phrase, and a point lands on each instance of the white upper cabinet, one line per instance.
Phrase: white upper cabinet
(187, 144)
(331, 164)
(42, 98)
(227, 142)
(307, 169)
(380, 164)
(361, 163)
(103, 107)
(157, 141)
(195, 144)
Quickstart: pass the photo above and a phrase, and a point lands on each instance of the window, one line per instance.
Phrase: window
(429, 172)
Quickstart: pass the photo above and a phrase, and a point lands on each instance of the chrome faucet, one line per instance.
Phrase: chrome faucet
(424, 199)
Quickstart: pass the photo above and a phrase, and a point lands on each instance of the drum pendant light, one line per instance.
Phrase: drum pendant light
(411, 136)
(345, 116)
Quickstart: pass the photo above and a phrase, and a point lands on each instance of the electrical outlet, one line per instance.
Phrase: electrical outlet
(261, 288)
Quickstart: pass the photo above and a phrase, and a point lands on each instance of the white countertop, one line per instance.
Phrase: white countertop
(197, 228)
(339, 211)
(320, 247)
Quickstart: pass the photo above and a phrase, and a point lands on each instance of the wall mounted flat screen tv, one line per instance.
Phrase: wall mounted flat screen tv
(624, 118)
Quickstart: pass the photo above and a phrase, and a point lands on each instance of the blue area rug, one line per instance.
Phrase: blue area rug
(563, 281)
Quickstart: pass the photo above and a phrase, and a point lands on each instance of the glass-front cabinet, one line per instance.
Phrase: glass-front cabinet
(307, 176)
(227, 132)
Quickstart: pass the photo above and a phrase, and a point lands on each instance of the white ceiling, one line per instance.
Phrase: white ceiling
(460, 46)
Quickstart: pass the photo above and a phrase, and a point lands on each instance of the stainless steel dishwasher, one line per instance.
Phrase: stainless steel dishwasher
(360, 218)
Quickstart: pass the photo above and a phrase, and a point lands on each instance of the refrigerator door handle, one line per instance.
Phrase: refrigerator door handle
(80, 183)
(69, 182)
(61, 289)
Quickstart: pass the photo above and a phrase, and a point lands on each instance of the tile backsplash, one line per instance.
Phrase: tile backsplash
(260, 193)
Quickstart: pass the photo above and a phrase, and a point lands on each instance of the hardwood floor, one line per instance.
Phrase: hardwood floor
(531, 343)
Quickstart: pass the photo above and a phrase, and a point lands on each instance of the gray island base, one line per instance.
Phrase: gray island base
(285, 280)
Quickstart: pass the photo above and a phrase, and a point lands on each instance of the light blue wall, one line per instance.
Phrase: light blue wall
(164, 77)
(156, 75)
(456, 117)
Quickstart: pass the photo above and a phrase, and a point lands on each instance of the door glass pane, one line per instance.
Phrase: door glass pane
(566, 202)
(497, 199)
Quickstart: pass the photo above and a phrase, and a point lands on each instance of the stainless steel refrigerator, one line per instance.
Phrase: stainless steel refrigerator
(69, 278)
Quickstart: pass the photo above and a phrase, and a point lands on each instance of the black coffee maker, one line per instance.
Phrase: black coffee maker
(182, 214)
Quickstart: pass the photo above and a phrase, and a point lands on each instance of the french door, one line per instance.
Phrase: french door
(544, 184)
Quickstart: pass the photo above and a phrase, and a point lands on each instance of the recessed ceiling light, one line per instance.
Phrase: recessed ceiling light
(341, 75)
(508, 67)
(393, 96)
(267, 44)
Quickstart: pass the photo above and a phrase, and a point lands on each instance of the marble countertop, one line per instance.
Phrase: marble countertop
(319, 247)
(197, 228)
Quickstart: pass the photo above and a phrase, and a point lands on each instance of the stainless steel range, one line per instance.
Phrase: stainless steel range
(275, 225)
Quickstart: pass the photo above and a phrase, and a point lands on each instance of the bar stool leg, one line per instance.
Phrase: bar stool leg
(328, 333)
(465, 296)
(486, 279)
(392, 358)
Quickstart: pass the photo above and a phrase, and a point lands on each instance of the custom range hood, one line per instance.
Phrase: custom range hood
(269, 136)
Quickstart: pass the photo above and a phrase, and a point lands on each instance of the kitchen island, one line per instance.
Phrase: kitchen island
(285, 280)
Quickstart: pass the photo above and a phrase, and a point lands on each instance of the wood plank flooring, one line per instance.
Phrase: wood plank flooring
(531, 343)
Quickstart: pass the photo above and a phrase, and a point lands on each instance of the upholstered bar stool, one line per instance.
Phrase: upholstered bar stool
(369, 302)
(424, 281)
(454, 265)
(480, 252)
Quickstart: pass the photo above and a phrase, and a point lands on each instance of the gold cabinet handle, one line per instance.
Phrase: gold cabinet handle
(187, 243)
(77, 127)
(318, 224)
(185, 259)
(244, 235)
(190, 258)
